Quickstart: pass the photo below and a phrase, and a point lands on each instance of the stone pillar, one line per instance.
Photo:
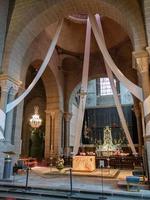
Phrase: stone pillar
(47, 135)
(5, 85)
(9, 116)
(4, 94)
(67, 118)
(53, 133)
(142, 66)
(139, 126)
(18, 129)
(52, 128)
(58, 132)
(9, 87)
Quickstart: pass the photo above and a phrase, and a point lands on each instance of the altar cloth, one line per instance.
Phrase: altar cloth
(84, 163)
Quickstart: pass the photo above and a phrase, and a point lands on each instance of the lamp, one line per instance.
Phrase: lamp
(35, 121)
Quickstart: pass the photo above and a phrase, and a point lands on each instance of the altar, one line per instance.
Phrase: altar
(107, 148)
(84, 163)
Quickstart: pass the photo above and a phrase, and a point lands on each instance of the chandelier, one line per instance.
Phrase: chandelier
(35, 121)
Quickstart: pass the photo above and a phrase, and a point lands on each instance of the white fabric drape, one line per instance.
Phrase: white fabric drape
(13, 104)
(115, 95)
(134, 89)
(143, 122)
(83, 92)
(146, 106)
(2, 124)
(148, 128)
(146, 111)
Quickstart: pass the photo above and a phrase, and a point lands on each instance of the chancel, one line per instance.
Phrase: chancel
(86, 65)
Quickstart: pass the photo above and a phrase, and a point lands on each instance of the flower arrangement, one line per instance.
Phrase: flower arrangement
(60, 163)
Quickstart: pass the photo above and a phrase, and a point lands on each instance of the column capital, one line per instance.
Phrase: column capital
(9, 87)
(6, 77)
(67, 116)
(53, 113)
(140, 60)
(8, 83)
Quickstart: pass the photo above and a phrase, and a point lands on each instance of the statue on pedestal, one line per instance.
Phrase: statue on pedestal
(108, 144)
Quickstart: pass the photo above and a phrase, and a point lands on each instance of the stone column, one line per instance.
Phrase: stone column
(3, 103)
(9, 87)
(9, 116)
(58, 133)
(4, 94)
(67, 118)
(52, 128)
(142, 66)
(5, 85)
(139, 126)
(47, 135)
(53, 133)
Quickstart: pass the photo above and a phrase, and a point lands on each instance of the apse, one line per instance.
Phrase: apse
(101, 112)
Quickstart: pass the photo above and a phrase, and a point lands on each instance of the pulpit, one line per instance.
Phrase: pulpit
(84, 163)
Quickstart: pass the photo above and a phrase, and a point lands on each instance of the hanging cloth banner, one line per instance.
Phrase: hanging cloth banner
(134, 89)
(14, 103)
(2, 124)
(115, 95)
(146, 106)
(83, 92)
(146, 111)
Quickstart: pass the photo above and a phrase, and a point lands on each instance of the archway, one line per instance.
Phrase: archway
(46, 96)
(33, 139)
(118, 11)
(100, 113)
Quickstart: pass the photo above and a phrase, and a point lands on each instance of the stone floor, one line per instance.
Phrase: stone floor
(106, 173)
(44, 177)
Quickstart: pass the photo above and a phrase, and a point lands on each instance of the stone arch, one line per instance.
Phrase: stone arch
(50, 83)
(96, 72)
(120, 11)
(53, 104)
(74, 108)
(51, 77)
(32, 57)
(37, 97)
(51, 87)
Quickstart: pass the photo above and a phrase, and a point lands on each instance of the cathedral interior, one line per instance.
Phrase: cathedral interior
(106, 130)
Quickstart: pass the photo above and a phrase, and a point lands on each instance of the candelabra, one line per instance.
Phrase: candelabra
(51, 163)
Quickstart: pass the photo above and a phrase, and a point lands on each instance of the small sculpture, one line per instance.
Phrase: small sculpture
(60, 163)
(108, 144)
